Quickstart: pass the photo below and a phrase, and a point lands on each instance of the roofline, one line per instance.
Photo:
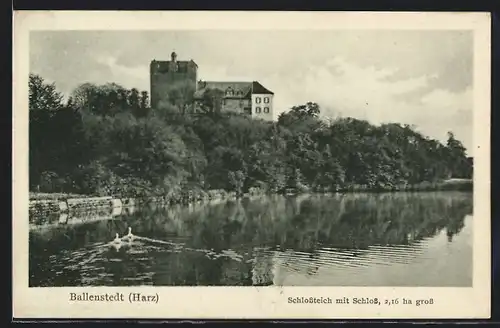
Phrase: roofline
(251, 83)
(206, 81)
(267, 91)
(179, 61)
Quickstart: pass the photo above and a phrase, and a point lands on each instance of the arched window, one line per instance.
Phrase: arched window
(266, 109)
(257, 109)
(229, 91)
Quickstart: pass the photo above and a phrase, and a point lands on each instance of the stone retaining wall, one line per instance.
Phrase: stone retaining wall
(44, 207)
(86, 208)
(77, 216)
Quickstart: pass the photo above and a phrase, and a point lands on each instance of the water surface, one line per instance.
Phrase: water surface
(397, 239)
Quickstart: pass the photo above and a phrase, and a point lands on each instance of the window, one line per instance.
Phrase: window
(257, 109)
(266, 100)
(229, 91)
(266, 109)
(258, 100)
(224, 102)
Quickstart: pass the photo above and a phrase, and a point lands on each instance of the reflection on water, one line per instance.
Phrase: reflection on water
(402, 239)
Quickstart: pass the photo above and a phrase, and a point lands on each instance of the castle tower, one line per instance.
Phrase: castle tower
(168, 75)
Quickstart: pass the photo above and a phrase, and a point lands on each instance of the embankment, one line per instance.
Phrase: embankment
(65, 208)
(49, 209)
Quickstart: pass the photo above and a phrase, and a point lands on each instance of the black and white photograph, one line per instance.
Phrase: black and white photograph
(251, 157)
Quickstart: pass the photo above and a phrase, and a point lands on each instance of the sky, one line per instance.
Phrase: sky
(421, 78)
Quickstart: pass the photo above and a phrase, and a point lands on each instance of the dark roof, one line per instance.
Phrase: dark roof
(259, 88)
(240, 89)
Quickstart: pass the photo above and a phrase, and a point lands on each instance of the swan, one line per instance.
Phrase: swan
(129, 236)
(116, 243)
(117, 239)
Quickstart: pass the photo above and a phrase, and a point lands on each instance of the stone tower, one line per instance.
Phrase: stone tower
(167, 75)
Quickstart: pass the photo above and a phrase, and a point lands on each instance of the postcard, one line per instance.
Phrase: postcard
(272, 165)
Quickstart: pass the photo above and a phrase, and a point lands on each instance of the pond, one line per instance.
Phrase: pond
(390, 239)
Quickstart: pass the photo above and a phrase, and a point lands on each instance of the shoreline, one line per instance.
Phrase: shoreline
(53, 203)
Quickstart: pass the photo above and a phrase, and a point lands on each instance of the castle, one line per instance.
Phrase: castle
(248, 97)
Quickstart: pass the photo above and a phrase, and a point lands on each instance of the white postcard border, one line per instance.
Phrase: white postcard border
(253, 302)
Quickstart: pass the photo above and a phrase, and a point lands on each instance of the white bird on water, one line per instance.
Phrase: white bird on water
(117, 239)
(116, 243)
(129, 236)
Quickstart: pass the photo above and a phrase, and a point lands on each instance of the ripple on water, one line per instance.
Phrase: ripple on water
(419, 236)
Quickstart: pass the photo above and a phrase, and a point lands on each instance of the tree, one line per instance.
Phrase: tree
(181, 95)
(106, 99)
(461, 167)
(56, 135)
(44, 102)
(133, 99)
(106, 140)
(144, 99)
(43, 97)
(211, 102)
(237, 181)
(302, 118)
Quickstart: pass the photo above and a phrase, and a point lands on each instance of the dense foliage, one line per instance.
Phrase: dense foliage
(106, 140)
